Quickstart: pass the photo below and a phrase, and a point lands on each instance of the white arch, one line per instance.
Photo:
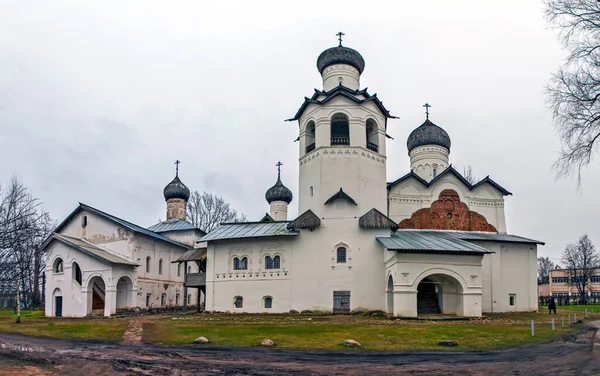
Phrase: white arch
(443, 271)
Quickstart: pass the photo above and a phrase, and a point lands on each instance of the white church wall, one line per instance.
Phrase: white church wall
(187, 237)
(511, 270)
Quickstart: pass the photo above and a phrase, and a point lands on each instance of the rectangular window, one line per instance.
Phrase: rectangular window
(179, 270)
(189, 298)
(341, 255)
(177, 299)
(163, 300)
(148, 297)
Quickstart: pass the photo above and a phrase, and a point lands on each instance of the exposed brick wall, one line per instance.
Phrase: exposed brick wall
(447, 213)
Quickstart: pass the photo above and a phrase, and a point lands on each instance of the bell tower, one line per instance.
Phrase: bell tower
(342, 140)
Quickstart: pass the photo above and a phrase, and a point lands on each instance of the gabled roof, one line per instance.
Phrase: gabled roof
(267, 218)
(121, 222)
(343, 91)
(376, 219)
(196, 254)
(307, 220)
(450, 170)
(429, 241)
(173, 225)
(245, 230)
(340, 195)
(90, 249)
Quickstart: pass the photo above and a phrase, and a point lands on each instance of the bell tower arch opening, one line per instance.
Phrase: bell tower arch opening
(340, 130)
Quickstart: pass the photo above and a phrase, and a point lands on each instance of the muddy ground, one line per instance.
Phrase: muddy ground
(21, 355)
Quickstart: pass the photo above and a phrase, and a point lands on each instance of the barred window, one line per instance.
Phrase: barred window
(341, 255)
(276, 262)
(268, 262)
(244, 263)
(236, 263)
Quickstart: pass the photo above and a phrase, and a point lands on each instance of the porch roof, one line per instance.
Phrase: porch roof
(429, 241)
(92, 250)
(197, 254)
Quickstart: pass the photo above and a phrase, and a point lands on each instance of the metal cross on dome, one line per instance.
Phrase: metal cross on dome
(340, 34)
(427, 106)
(177, 162)
(279, 164)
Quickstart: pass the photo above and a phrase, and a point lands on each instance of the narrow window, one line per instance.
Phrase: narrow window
(189, 298)
(268, 302)
(276, 262)
(179, 270)
(310, 136)
(177, 299)
(84, 221)
(434, 172)
(268, 262)
(341, 255)
(244, 263)
(512, 299)
(311, 190)
(148, 297)
(58, 266)
(372, 135)
(160, 263)
(148, 264)
(77, 276)
(163, 300)
(238, 302)
(236, 263)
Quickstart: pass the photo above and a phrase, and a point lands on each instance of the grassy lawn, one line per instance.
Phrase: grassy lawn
(328, 332)
(33, 323)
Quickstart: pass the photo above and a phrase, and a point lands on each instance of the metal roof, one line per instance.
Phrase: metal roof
(249, 230)
(173, 225)
(128, 225)
(491, 236)
(197, 254)
(428, 241)
(92, 250)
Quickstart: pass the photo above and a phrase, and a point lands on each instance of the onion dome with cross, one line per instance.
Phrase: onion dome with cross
(340, 65)
(176, 189)
(428, 134)
(279, 192)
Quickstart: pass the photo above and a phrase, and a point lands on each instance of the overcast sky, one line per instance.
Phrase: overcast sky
(98, 99)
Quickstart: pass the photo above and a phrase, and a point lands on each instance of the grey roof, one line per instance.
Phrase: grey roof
(450, 170)
(376, 219)
(173, 225)
(227, 231)
(307, 220)
(428, 134)
(176, 189)
(340, 55)
(279, 192)
(446, 241)
(90, 249)
(340, 195)
(121, 222)
(196, 254)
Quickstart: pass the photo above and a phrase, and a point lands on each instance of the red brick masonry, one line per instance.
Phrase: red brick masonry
(447, 213)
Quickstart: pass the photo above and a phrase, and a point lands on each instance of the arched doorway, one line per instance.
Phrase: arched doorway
(439, 293)
(390, 295)
(57, 301)
(124, 288)
(96, 296)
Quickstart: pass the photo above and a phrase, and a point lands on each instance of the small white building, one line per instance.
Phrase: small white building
(429, 242)
(99, 263)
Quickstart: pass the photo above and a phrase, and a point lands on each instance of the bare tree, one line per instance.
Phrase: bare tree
(574, 92)
(469, 175)
(581, 261)
(206, 211)
(545, 265)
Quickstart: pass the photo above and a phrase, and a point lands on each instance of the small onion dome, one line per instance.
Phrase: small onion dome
(279, 192)
(340, 55)
(428, 134)
(176, 189)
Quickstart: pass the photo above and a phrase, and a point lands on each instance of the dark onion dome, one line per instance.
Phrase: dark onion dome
(340, 55)
(176, 189)
(279, 192)
(428, 134)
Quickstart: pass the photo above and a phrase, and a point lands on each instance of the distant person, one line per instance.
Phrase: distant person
(552, 306)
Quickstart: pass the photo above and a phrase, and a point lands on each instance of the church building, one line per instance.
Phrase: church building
(428, 242)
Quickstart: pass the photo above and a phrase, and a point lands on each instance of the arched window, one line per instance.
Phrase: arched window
(267, 302)
(310, 139)
(268, 262)
(340, 130)
(238, 302)
(244, 263)
(372, 135)
(276, 262)
(58, 266)
(148, 264)
(341, 255)
(236, 263)
(160, 263)
(77, 276)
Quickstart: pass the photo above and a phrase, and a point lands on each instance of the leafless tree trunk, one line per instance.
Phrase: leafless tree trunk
(581, 260)
(574, 92)
(544, 268)
(206, 211)
(469, 175)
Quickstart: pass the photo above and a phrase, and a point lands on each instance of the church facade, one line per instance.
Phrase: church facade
(429, 242)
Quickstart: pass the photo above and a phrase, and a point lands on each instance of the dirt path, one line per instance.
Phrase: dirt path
(573, 355)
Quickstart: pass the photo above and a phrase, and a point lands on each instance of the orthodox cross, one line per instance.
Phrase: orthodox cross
(177, 162)
(427, 105)
(340, 34)
(279, 164)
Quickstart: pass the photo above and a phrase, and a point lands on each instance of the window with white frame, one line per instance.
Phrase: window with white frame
(341, 255)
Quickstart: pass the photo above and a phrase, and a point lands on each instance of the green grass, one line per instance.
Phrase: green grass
(33, 323)
(328, 334)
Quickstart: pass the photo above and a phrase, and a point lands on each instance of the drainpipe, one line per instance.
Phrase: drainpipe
(185, 290)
